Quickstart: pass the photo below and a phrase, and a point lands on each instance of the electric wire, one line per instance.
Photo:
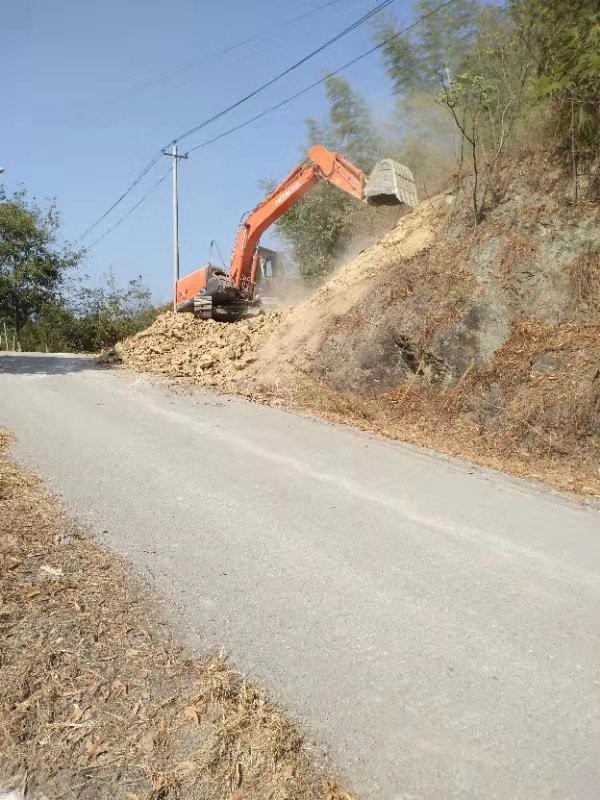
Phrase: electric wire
(361, 20)
(314, 10)
(220, 254)
(320, 81)
(279, 76)
(256, 117)
(132, 209)
(211, 56)
(129, 189)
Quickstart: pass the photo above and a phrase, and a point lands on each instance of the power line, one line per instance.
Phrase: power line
(312, 54)
(277, 42)
(132, 209)
(314, 10)
(218, 115)
(130, 188)
(211, 56)
(265, 112)
(220, 253)
(322, 80)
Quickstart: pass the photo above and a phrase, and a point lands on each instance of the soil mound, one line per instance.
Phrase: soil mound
(203, 352)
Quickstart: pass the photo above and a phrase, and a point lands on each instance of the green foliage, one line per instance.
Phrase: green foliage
(348, 128)
(489, 94)
(38, 311)
(314, 228)
(108, 313)
(477, 61)
(401, 57)
(32, 261)
(95, 317)
(437, 48)
(564, 38)
(487, 101)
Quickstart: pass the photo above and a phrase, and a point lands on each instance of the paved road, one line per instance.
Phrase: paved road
(434, 625)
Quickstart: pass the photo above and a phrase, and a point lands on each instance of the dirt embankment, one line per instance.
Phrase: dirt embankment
(481, 341)
(97, 704)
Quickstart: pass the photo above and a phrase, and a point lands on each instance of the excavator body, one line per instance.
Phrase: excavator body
(212, 293)
(187, 288)
(269, 289)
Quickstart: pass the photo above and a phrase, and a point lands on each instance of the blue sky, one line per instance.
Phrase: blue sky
(91, 90)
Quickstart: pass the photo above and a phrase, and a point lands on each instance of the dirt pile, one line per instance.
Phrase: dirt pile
(96, 703)
(203, 352)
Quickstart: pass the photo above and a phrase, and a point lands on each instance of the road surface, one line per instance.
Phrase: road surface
(436, 627)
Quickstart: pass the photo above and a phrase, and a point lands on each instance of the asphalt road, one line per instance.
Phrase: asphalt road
(435, 626)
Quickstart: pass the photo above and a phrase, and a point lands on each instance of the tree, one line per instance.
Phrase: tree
(403, 64)
(32, 261)
(92, 317)
(108, 312)
(314, 229)
(348, 127)
(564, 40)
(437, 50)
(487, 101)
(438, 46)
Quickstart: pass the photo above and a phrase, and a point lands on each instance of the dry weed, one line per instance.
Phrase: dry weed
(584, 279)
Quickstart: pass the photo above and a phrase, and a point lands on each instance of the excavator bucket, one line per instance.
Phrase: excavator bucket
(391, 184)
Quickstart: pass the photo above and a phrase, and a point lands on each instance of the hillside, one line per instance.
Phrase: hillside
(482, 342)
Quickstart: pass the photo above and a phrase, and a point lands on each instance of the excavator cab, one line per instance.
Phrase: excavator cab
(271, 278)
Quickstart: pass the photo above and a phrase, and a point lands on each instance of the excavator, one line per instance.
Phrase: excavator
(212, 293)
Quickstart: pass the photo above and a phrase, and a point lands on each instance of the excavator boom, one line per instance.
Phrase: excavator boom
(389, 183)
(320, 165)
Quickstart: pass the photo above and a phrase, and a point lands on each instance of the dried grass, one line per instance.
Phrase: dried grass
(95, 702)
(584, 280)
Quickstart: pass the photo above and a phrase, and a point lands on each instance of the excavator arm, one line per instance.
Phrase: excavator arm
(320, 165)
(210, 289)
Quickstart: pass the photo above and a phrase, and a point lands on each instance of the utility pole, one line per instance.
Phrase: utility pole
(175, 156)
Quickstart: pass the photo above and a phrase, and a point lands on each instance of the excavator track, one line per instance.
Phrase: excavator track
(203, 306)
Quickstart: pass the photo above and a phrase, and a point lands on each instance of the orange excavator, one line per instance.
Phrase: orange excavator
(212, 293)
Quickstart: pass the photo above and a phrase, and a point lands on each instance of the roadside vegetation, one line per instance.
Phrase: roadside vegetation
(46, 302)
(97, 702)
